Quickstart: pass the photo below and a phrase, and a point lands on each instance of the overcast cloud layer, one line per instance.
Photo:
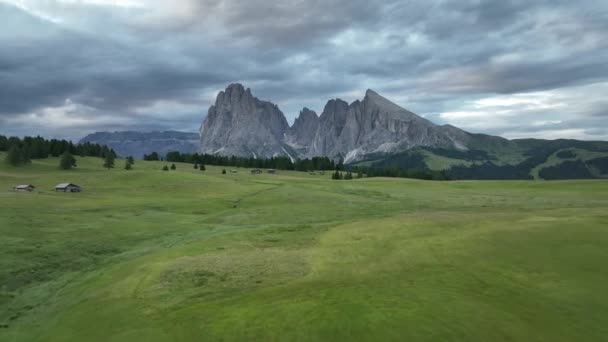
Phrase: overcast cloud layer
(512, 68)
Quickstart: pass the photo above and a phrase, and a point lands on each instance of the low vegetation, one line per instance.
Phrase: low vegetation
(190, 256)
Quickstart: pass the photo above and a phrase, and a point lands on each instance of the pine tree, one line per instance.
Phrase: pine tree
(196, 166)
(25, 155)
(130, 160)
(202, 167)
(173, 167)
(14, 156)
(128, 165)
(165, 168)
(359, 172)
(67, 161)
(108, 162)
(223, 171)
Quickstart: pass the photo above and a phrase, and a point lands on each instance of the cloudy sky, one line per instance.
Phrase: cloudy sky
(512, 68)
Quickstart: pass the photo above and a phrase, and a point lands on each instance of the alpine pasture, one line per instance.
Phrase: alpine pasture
(186, 255)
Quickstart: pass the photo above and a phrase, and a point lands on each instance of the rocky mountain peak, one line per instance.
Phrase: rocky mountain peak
(240, 124)
(372, 97)
(303, 130)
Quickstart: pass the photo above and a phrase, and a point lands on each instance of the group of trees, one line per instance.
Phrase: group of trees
(17, 156)
(166, 168)
(279, 163)
(395, 172)
(337, 175)
(21, 151)
(28, 148)
(152, 156)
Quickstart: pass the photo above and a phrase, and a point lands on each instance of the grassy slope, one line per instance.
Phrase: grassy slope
(438, 163)
(187, 256)
(580, 155)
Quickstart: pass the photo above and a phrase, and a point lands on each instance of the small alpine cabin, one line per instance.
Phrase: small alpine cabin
(68, 187)
(24, 188)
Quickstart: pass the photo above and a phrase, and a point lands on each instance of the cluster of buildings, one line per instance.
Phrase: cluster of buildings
(61, 187)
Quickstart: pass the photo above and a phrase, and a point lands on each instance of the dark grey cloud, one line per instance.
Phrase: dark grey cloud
(153, 64)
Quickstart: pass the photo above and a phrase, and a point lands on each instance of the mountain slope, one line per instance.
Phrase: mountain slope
(242, 125)
(378, 125)
(136, 144)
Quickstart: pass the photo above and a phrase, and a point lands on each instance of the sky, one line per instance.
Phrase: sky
(515, 68)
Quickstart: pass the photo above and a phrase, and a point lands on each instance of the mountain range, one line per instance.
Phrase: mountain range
(372, 132)
(377, 132)
(242, 125)
(136, 144)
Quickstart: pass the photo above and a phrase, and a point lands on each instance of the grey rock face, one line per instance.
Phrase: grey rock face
(242, 125)
(136, 144)
(377, 125)
(303, 131)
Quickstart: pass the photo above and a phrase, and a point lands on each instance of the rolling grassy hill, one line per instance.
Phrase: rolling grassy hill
(187, 255)
(499, 158)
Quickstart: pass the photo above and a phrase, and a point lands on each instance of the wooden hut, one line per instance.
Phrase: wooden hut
(24, 188)
(68, 187)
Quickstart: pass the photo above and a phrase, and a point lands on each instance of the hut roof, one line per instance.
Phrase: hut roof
(64, 185)
(24, 186)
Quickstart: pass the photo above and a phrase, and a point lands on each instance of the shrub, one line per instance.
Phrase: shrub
(67, 161)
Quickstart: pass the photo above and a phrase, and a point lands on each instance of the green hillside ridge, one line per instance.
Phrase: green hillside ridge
(579, 154)
(187, 255)
(500, 159)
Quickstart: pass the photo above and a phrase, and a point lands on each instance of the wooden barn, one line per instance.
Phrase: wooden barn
(24, 188)
(68, 187)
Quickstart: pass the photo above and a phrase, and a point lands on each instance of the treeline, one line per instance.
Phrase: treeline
(279, 163)
(492, 171)
(23, 150)
(575, 169)
(396, 172)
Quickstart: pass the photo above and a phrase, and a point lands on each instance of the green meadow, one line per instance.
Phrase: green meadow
(185, 255)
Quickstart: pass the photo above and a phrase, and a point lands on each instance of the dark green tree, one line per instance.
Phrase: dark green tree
(196, 166)
(202, 167)
(14, 156)
(165, 168)
(223, 171)
(128, 165)
(152, 156)
(108, 161)
(67, 161)
(173, 167)
(130, 160)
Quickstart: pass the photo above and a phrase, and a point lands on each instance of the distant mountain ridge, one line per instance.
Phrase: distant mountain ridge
(136, 144)
(378, 133)
(242, 125)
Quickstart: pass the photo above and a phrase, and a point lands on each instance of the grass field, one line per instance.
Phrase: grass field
(186, 255)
